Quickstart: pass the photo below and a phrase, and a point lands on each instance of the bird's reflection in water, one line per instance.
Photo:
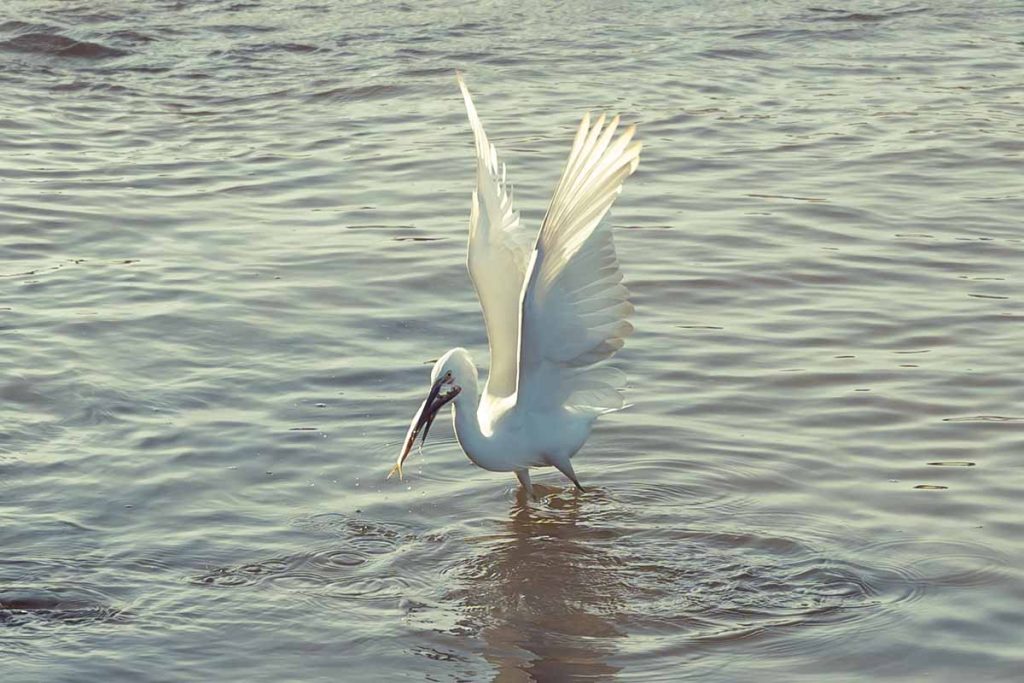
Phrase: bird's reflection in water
(543, 592)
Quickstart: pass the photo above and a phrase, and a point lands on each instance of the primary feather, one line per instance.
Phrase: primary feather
(574, 306)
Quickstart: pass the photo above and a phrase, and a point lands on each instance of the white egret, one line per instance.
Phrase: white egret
(553, 307)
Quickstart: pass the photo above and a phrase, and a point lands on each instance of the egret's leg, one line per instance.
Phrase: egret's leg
(524, 481)
(566, 469)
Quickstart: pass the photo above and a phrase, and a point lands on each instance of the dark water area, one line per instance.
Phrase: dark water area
(232, 239)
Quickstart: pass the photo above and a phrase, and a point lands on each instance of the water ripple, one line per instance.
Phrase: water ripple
(233, 238)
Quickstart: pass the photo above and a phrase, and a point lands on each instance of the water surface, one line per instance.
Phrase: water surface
(232, 240)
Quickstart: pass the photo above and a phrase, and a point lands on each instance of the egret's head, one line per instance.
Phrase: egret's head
(454, 368)
(450, 373)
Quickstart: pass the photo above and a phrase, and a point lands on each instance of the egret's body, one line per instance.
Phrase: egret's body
(554, 307)
(499, 435)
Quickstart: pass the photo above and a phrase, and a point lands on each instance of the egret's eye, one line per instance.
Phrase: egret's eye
(448, 375)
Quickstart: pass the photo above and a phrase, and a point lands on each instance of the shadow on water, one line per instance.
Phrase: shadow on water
(544, 592)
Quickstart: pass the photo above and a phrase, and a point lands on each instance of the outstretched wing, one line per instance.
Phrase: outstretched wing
(574, 306)
(497, 257)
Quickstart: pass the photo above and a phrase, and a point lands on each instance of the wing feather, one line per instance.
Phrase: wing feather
(574, 306)
(497, 256)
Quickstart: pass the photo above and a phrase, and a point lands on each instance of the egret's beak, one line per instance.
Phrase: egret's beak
(435, 400)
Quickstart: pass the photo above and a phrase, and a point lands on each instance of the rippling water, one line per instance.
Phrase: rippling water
(232, 239)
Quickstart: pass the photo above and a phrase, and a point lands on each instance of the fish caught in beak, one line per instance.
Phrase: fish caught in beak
(442, 391)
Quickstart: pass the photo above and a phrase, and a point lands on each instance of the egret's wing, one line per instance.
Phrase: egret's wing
(497, 256)
(574, 307)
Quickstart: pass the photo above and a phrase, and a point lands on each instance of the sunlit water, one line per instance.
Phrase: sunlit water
(232, 240)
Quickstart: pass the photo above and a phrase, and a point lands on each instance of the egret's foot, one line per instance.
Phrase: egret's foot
(565, 467)
(524, 481)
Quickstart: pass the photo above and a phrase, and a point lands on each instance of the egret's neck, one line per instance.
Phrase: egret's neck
(464, 412)
(466, 416)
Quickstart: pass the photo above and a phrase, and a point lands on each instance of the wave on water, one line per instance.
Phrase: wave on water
(52, 42)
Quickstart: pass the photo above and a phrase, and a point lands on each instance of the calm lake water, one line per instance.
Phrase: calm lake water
(232, 240)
